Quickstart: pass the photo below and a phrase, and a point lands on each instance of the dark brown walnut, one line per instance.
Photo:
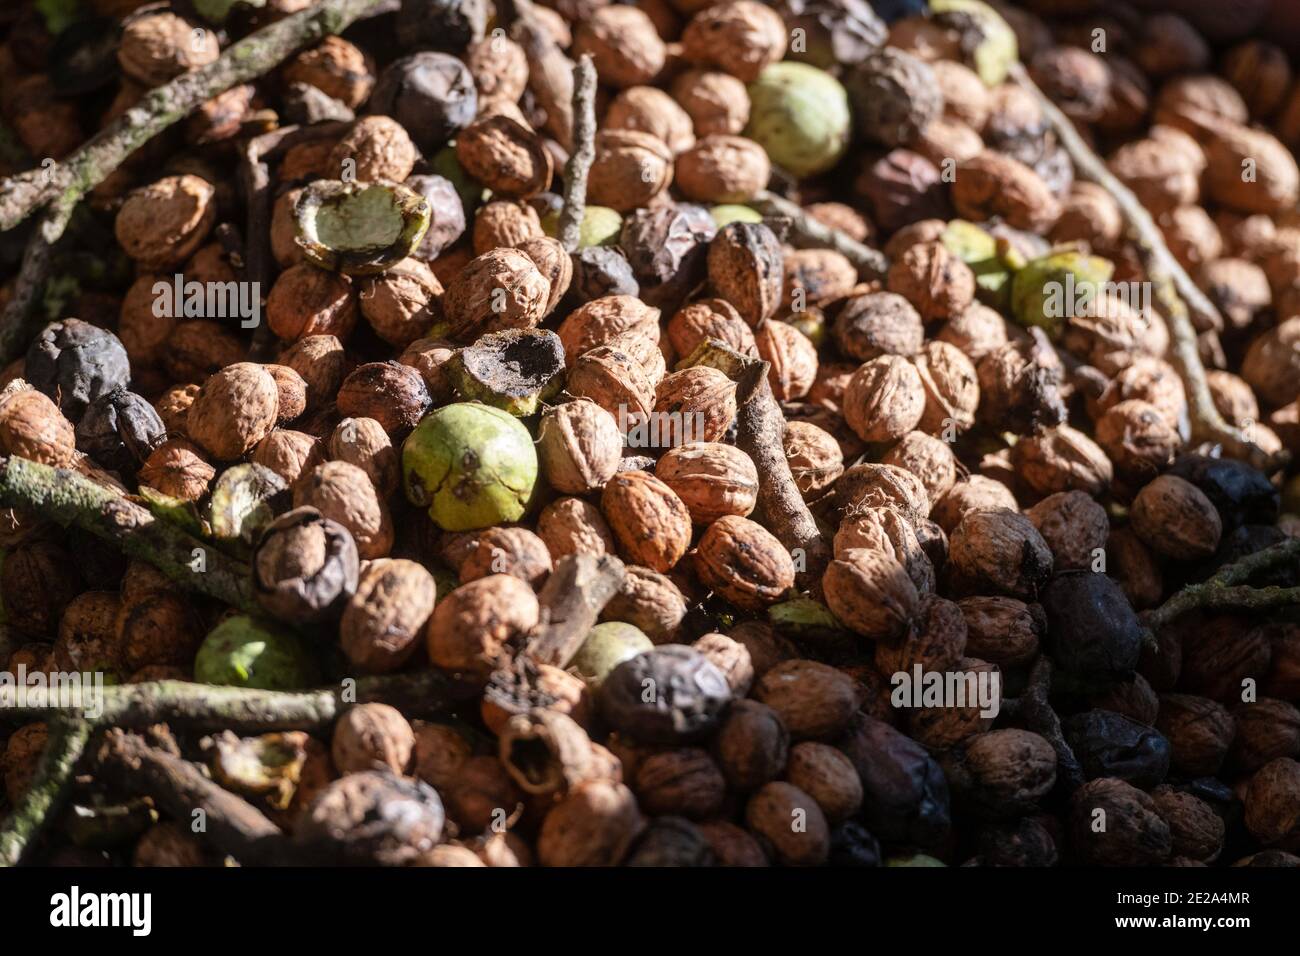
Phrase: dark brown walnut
(827, 776)
(894, 95)
(372, 818)
(384, 619)
(501, 550)
(1223, 657)
(687, 695)
(505, 156)
(751, 745)
(177, 468)
(814, 458)
(952, 391)
(885, 399)
(868, 485)
(999, 552)
(599, 321)
(304, 566)
(745, 268)
(372, 736)
(711, 479)
(391, 393)
(1001, 774)
(740, 38)
(992, 184)
(885, 530)
(903, 187)
(870, 593)
(946, 726)
(649, 601)
(933, 279)
(1062, 459)
(1199, 732)
(935, 640)
(87, 635)
(156, 629)
(479, 793)
(344, 493)
(1131, 562)
(21, 756)
(744, 563)
(1196, 828)
(1273, 801)
(307, 301)
(1134, 834)
(1003, 630)
(684, 781)
(1176, 519)
(1074, 526)
(651, 524)
(875, 324)
(1271, 365)
(473, 627)
(1138, 439)
(1267, 728)
(594, 825)
(722, 169)
(1020, 388)
(791, 822)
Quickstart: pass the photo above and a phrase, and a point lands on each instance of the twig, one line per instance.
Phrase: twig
(48, 788)
(572, 599)
(179, 788)
(760, 429)
(69, 498)
(584, 152)
(1035, 710)
(62, 187)
(809, 233)
(1225, 589)
(550, 72)
(1174, 289)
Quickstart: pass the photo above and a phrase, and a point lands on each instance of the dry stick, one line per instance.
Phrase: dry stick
(70, 498)
(1174, 289)
(584, 153)
(48, 788)
(1225, 590)
(760, 430)
(807, 232)
(179, 788)
(550, 72)
(1035, 710)
(63, 187)
(572, 599)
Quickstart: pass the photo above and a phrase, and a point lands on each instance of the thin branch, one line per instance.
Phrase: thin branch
(1226, 589)
(760, 430)
(1034, 709)
(583, 154)
(572, 599)
(69, 498)
(1174, 289)
(20, 316)
(809, 233)
(48, 788)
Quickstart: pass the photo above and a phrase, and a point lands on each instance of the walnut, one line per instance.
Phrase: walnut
(335, 67)
(649, 601)
(1138, 439)
(615, 381)
(1074, 526)
(597, 323)
(1135, 834)
(1176, 519)
(885, 399)
(683, 781)
(995, 185)
(651, 524)
(162, 224)
(793, 359)
(1261, 73)
(876, 324)
(713, 480)
(31, 426)
(718, 319)
(965, 97)
(391, 393)
(1003, 630)
(885, 530)
(894, 95)
(1272, 363)
(701, 399)
(623, 44)
(505, 156)
(579, 446)
(903, 187)
(1149, 380)
(744, 563)
(1062, 459)
(344, 493)
(975, 493)
(870, 593)
(499, 66)
(650, 110)
(1088, 213)
(289, 454)
(319, 359)
(868, 485)
(814, 458)
(505, 222)
(379, 149)
(372, 736)
(177, 468)
(630, 169)
(1162, 177)
(305, 301)
(401, 303)
(721, 168)
(161, 46)
(926, 457)
(574, 526)
(951, 386)
(472, 626)
(717, 103)
(501, 289)
(234, 410)
(740, 38)
(1238, 288)
(999, 552)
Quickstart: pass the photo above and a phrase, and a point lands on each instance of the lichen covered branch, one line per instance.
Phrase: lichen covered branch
(582, 156)
(48, 788)
(1227, 589)
(1034, 709)
(1175, 291)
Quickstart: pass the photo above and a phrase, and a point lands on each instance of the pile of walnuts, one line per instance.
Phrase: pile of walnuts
(996, 484)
